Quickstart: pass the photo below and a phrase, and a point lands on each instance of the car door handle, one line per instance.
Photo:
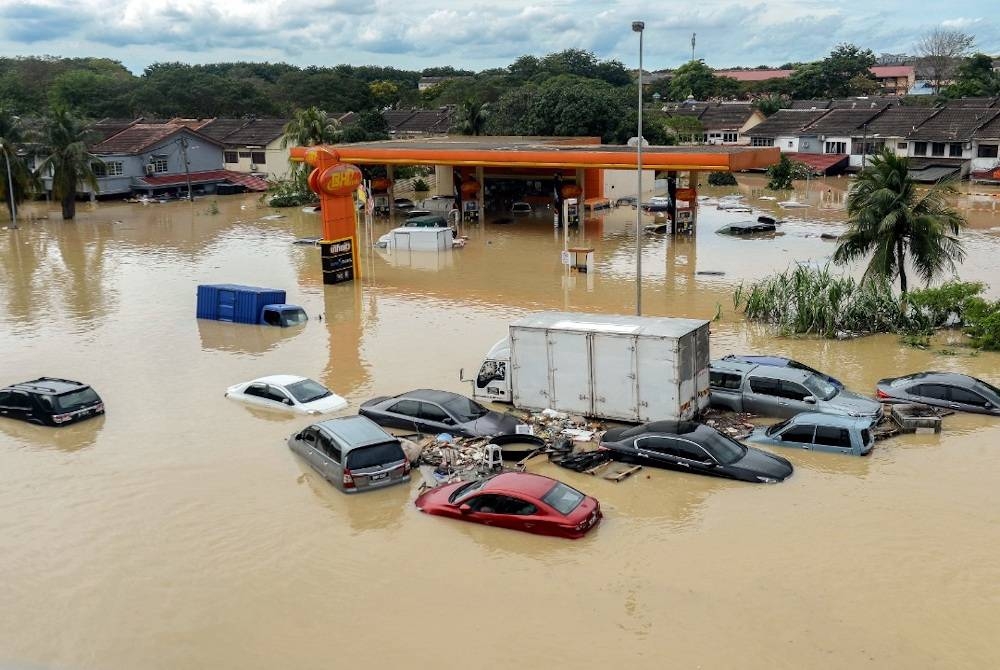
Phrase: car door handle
(682, 464)
(529, 525)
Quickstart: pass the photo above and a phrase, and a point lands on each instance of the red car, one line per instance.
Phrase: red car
(517, 500)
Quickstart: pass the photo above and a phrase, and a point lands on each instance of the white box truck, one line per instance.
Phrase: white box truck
(625, 368)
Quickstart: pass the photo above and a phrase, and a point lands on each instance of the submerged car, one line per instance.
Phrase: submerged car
(521, 208)
(819, 432)
(288, 392)
(430, 411)
(693, 447)
(741, 228)
(403, 203)
(516, 500)
(352, 453)
(50, 401)
(782, 391)
(941, 389)
(782, 362)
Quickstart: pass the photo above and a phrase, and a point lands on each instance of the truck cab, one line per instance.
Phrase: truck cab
(282, 315)
(492, 382)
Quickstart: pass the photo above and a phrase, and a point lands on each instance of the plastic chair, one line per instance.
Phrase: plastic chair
(492, 458)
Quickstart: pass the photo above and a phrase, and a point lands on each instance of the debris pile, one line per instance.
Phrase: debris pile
(734, 424)
(553, 426)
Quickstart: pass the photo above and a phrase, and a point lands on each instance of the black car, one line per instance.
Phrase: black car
(941, 389)
(50, 401)
(429, 411)
(694, 447)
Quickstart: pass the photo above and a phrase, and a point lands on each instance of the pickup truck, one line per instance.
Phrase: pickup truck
(768, 390)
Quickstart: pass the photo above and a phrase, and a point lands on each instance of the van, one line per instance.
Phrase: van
(352, 453)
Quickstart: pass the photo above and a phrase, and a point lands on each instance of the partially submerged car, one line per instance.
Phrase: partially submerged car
(50, 401)
(352, 453)
(744, 228)
(951, 390)
(819, 432)
(288, 392)
(781, 362)
(431, 411)
(403, 203)
(693, 447)
(782, 391)
(520, 208)
(516, 500)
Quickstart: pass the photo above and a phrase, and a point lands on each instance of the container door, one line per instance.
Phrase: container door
(227, 305)
(569, 356)
(529, 368)
(657, 369)
(701, 367)
(615, 381)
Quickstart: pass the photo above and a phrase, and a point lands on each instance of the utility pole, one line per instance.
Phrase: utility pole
(187, 165)
(692, 45)
(864, 146)
(10, 188)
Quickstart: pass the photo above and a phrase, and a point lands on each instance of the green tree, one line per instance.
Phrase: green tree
(847, 71)
(684, 129)
(13, 171)
(889, 219)
(769, 104)
(64, 138)
(695, 79)
(575, 106)
(369, 126)
(510, 114)
(384, 93)
(940, 51)
(975, 78)
(309, 127)
(471, 118)
(781, 174)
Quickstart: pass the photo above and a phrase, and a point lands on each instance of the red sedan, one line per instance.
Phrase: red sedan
(517, 500)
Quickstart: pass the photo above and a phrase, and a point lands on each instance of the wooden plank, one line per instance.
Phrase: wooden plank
(597, 468)
(619, 475)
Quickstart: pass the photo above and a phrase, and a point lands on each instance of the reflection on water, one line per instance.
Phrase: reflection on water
(190, 510)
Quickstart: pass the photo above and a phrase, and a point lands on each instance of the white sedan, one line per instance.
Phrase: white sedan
(289, 392)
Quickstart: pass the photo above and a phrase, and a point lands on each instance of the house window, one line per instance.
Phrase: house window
(761, 142)
(730, 137)
(99, 170)
(920, 148)
(258, 157)
(937, 148)
(789, 144)
(987, 151)
(230, 157)
(901, 145)
(244, 154)
(159, 165)
(955, 149)
(835, 148)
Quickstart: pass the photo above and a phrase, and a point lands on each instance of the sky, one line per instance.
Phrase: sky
(476, 35)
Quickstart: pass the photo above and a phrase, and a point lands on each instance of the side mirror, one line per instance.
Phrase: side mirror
(448, 421)
(811, 399)
(464, 508)
(287, 401)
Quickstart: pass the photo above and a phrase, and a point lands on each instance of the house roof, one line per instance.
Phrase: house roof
(953, 124)
(418, 120)
(972, 102)
(871, 102)
(219, 128)
(892, 70)
(811, 104)
(726, 116)
(840, 121)
(899, 121)
(754, 75)
(821, 163)
(259, 131)
(786, 122)
(141, 136)
(989, 130)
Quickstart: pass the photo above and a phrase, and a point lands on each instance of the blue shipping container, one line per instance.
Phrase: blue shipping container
(234, 302)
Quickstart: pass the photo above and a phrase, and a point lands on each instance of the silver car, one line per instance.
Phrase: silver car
(819, 432)
(352, 453)
(782, 392)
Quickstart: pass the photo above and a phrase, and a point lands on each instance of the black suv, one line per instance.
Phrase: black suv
(50, 401)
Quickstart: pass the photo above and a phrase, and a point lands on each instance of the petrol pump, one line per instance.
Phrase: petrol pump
(571, 211)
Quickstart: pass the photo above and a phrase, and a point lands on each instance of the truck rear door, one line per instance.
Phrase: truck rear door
(657, 378)
(529, 372)
(615, 378)
(569, 357)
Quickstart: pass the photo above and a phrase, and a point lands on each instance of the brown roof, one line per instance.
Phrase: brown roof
(141, 136)
(899, 121)
(219, 128)
(972, 102)
(258, 131)
(989, 130)
(754, 75)
(726, 116)
(811, 104)
(864, 103)
(953, 124)
(418, 120)
(841, 121)
(786, 122)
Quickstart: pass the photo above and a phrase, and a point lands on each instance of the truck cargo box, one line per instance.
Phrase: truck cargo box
(235, 302)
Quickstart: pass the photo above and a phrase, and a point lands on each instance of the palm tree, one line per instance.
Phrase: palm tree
(309, 127)
(888, 218)
(13, 171)
(471, 118)
(64, 138)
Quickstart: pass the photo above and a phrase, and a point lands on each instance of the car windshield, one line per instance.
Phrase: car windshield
(777, 427)
(466, 490)
(376, 454)
(307, 390)
(724, 449)
(820, 388)
(75, 399)
(464, 409)
(991, 387)
(564, 499)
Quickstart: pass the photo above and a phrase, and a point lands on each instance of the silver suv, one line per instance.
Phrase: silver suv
(352, 453)
(782, 392)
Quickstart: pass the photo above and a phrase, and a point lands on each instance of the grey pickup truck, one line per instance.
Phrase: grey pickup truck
(768, 390)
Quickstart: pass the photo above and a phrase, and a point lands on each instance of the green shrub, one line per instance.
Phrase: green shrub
(419, 185)
(721, 179)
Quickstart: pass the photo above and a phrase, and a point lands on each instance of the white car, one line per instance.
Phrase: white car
(289, 392)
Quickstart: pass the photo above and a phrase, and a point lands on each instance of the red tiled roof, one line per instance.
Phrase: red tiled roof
(821, 163)
(207, 177)
(136, 137)
(892, 70)
(754, 75)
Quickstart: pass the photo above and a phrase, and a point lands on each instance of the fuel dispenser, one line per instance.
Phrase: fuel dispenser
(571, 211)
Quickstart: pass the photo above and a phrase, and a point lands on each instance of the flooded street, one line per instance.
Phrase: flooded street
(179, 531)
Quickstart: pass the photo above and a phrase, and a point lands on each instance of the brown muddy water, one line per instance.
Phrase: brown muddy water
(179, 531)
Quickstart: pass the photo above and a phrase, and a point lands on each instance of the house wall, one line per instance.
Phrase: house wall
(967, 150)
(891, 143)
(275, 165)
(622, 183)
(201, 156)
(985, 163)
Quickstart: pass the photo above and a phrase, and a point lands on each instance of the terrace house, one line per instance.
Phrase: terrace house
(831, 133)
(252, 146)
(728, 123)
(889, 129)
(782, 130)
(985, 143)
(945, 140)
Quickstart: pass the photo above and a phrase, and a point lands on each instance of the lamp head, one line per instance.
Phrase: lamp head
(638, 26)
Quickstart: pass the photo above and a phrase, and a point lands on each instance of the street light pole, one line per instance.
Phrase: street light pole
(10, 189)
(638, 27)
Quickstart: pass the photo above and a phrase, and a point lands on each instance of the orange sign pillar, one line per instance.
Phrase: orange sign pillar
(335, 183)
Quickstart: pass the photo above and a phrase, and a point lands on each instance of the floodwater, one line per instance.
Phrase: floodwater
(179, 531)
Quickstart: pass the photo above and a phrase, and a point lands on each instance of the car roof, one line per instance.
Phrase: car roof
(725, 364)
(48, 385)
(525, 483)
(356, 431)
(431, 395)
(669, 426)
(776, 361)
(277, 380)
(953, 378)
(834, 420)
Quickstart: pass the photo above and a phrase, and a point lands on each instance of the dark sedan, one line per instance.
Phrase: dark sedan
(941, 389)
(429, 411)
(694, 447)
